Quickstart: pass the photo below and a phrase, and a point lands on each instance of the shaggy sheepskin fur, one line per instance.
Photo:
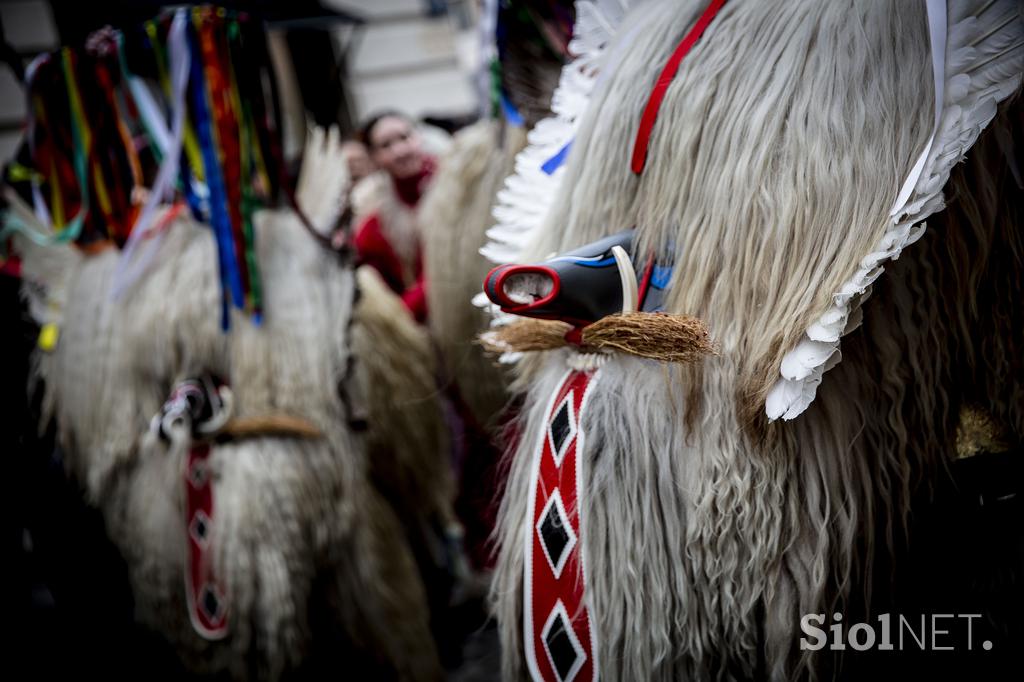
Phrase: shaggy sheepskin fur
(296, 520)
(777, 153)
(454, 217)
(408, 438)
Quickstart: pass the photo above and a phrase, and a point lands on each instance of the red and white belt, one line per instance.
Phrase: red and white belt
(558, 632)
(198, 407)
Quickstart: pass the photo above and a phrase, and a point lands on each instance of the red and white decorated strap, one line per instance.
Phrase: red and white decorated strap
(207, 603)
(559, 636)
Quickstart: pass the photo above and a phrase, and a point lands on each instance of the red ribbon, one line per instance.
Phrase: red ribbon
(643, 135)
(212, 40)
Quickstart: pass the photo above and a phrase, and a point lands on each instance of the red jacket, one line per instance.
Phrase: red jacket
(375, 250)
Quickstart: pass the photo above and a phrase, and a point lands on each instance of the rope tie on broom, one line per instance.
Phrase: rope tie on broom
(655, 336)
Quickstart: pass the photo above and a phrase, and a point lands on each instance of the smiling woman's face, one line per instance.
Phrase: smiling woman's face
(395, 147)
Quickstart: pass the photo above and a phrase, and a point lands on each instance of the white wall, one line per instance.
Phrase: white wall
(408, 61)
(29, 28)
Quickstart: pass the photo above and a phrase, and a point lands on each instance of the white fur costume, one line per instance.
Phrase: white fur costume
(776, 157)
(292, 515)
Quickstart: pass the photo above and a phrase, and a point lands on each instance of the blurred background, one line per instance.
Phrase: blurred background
(336, 63)
(420, 57)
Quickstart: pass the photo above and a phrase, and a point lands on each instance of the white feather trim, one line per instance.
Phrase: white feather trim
(978, 66)
(529, 193)
(805, 358)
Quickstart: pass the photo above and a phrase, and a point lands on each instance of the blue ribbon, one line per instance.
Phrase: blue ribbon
(512, 114)
(552, 164)
(661, 275)
(231, 279)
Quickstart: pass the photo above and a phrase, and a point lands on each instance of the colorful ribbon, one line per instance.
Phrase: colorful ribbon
(211, 129)
(128, 267)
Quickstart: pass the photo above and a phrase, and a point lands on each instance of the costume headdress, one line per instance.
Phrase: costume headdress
(977, 53)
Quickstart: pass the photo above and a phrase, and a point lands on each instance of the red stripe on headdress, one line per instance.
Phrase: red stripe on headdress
(643, 135)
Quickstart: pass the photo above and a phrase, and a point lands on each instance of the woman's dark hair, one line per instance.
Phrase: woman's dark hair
(370, 123)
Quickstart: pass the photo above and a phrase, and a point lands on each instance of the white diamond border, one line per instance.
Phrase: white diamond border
(559, 454)
(211, 587)
(556, 499)
(203, 542)
(581, 655)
